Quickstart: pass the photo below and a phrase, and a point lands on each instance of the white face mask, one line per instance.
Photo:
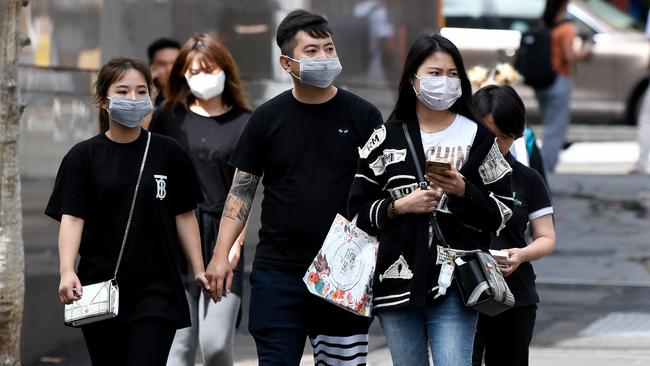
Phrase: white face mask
(318, 72)
(438, 92)
(206, 86)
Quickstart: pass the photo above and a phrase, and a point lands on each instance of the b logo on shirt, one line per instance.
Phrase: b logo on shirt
(161, 184)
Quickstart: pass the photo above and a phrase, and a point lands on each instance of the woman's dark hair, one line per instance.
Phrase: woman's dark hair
(300, 20)
(112, 71)
(506, 107)
(420, 50)
(210, 54)
(551, 11)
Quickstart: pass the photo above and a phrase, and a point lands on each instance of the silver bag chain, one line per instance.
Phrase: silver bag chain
(135, 195)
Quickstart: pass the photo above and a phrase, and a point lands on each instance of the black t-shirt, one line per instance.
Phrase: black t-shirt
(307, 155)
(209, 142)
(532, 200)
(96, 182)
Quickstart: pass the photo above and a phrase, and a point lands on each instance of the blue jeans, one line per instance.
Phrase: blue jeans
(448, 327)
(554, 105)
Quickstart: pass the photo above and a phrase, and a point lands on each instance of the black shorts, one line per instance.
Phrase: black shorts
(283, 314)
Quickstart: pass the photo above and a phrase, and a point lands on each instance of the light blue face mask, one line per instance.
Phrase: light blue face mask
(129, 112)
(318, 72)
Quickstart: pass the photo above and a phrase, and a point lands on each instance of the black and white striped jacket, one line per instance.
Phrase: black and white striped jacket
(406, 271)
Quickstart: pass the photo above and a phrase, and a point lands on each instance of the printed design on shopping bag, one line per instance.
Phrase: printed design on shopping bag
(339, 272)
(398, 270)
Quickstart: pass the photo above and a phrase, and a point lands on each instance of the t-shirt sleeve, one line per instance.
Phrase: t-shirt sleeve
(375, 120)
(186, 191)
(70, 192)
(539, 199)
(248, 155)
(157, 123)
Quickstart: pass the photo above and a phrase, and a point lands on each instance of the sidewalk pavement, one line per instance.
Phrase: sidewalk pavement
(539, 356)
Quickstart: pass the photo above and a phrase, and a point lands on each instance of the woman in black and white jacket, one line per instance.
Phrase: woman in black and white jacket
(473, 199)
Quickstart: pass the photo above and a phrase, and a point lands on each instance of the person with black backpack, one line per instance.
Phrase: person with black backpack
(544, 59)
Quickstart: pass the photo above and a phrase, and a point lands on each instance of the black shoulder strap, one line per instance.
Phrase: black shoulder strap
(423, 185)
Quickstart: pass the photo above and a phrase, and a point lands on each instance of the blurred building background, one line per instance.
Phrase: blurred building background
(72, 38)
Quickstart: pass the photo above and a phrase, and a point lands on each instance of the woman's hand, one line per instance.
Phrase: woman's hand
(420, 201)
(451, 182)
(202, 281)
(516, 256)
(219, 273)
(70, 287)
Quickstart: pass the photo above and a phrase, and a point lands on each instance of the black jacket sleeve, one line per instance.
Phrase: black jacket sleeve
(367, 200)
(488, 203)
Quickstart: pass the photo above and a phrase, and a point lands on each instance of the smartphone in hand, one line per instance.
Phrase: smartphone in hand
(438, 166)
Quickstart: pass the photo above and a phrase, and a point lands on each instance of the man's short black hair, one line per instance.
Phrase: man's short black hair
(300, 20)
(159, 44)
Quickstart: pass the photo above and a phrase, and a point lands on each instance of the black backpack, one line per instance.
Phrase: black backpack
(533, 59)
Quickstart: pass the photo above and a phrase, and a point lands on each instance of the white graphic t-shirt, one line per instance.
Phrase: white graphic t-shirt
(452, 143)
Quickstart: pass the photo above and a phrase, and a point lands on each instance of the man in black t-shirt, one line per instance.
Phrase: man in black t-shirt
(304, 144)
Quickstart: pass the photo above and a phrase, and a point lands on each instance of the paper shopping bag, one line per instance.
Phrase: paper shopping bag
(343, 269)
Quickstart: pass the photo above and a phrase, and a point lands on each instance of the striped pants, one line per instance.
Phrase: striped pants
(283, 314)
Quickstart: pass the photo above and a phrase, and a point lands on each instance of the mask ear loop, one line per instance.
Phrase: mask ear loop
(413, 84)
(107, 105)
(294, 60)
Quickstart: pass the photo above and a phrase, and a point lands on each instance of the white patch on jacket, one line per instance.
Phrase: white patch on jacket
(402, 191)
(390, 156)
(378, 136)
(398, 270)
(494, 166)
(504, 211)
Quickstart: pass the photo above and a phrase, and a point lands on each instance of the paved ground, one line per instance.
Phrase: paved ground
(595, 287)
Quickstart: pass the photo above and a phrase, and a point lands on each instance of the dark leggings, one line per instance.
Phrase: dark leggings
(143, 342)
(503, 340)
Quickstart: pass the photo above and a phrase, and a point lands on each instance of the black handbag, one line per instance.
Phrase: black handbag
(481, 284)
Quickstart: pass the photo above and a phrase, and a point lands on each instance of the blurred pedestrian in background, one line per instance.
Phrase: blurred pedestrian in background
(419, 308)
(554, 100)
(304, 143)
(380, 34)
(162, 54)
(504, 339)
(92, 198)
(205, 110)
(643, 122)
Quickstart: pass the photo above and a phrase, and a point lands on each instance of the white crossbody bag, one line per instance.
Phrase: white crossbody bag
(101, 300)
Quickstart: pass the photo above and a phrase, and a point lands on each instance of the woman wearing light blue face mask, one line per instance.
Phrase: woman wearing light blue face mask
(205, 110)
(127, 189)
(415, 298)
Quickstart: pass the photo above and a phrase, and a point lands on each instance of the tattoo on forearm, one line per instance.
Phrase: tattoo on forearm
(240, 198)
